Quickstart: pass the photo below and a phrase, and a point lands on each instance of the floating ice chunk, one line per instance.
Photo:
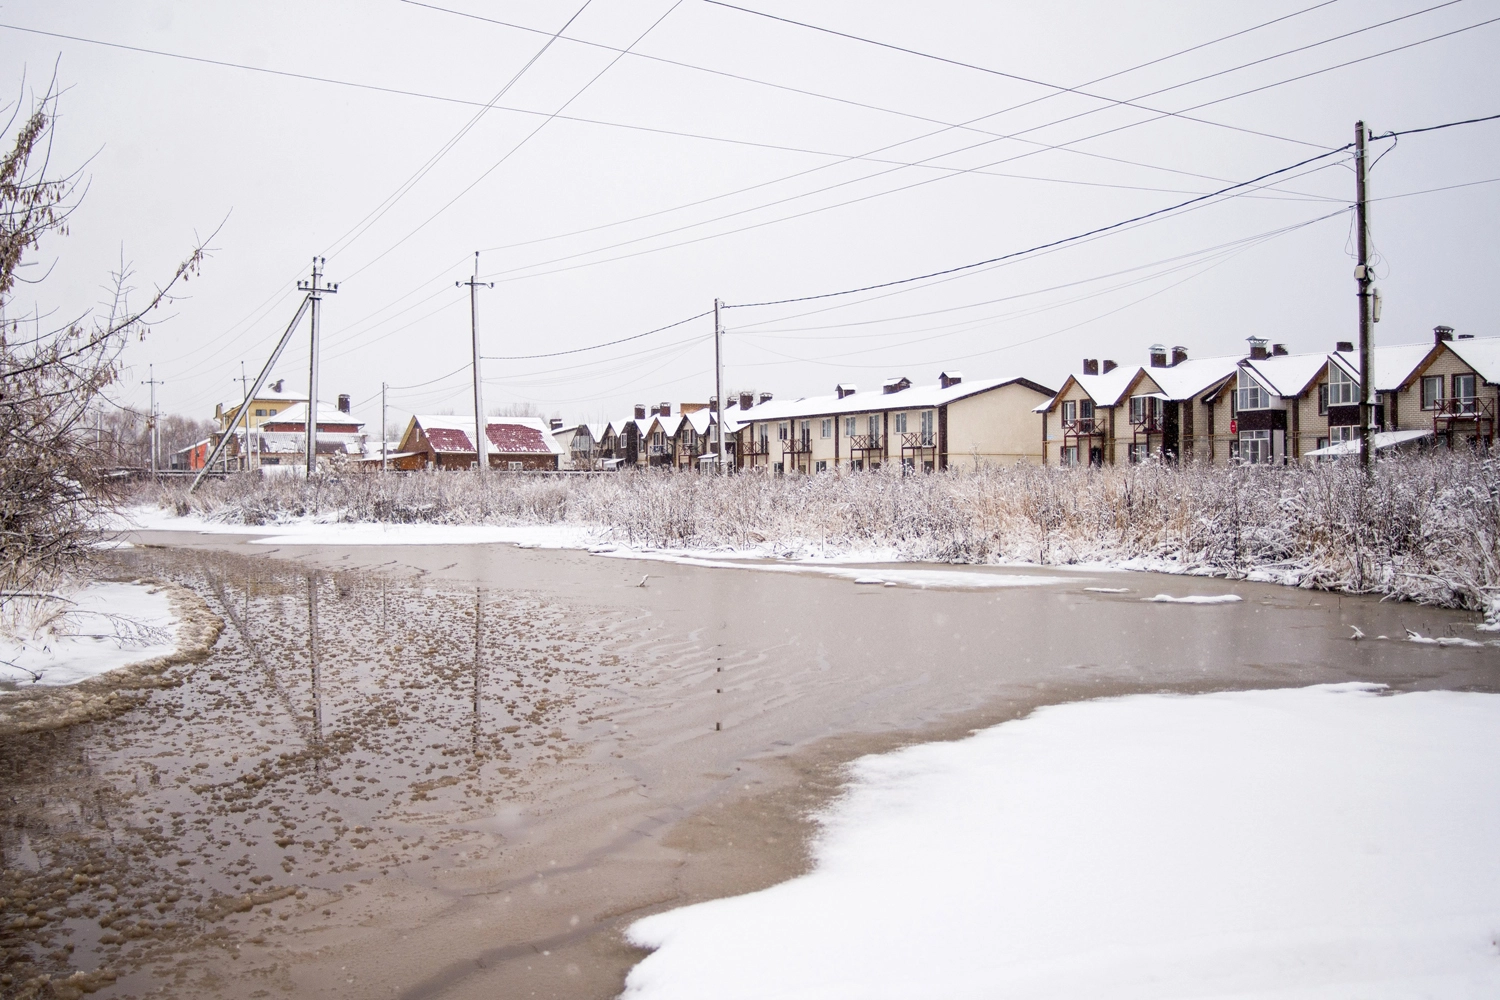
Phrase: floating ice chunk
(1194, 599)
(1107, 590)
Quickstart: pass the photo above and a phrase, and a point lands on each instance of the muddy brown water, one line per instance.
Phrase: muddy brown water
(437, 771)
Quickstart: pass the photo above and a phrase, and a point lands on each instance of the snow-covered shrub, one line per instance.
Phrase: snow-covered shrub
(1426, 528)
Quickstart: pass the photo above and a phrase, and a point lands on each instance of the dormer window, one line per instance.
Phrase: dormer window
(1343, 388)
(1252, 395)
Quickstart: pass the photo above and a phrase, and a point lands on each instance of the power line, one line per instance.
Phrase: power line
(1434, 128)
(595, 347)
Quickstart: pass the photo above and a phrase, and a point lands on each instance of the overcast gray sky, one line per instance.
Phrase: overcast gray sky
(730, 154)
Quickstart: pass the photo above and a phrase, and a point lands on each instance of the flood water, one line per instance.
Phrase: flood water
(429, 771)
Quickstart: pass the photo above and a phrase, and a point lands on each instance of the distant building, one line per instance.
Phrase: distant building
(272, 402)
(516, 444)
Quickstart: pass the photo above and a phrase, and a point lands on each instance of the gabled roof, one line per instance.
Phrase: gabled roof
(1395, 364)
(919, 397)
(700, 420)
(297, 414)
(505, 435)
(1104, 390)
(1480, 354)
(1286, 375)
(1193, 377)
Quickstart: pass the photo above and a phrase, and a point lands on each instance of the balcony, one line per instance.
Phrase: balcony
(1082, 427)
(797, 446)
(917, 441)
(1463, 408)
(864, 442)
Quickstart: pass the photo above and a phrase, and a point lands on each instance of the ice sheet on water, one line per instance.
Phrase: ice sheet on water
(106, 626)
(1323, 841)
(1194, 599)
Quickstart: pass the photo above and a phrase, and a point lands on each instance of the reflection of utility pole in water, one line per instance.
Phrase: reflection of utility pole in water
(478, 619)
(317, 684)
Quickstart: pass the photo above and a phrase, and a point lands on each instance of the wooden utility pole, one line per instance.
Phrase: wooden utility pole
(1363, 278)
(315, 290)
(481, 450)
(719, 383)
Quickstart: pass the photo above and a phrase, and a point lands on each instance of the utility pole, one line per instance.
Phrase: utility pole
(1363, 278)
(481, 449)
(244, 382)
(315, 290)
(151, 380)
(719, 382)
(384, 466)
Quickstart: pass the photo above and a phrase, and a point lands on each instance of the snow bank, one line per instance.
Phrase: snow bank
(1325, 841)
(106, 626)
(922, 579)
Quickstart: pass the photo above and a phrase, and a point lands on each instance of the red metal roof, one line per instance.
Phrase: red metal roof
(516, 439)
(449, 439)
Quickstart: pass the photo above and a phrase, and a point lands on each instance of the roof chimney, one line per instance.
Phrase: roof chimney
(555, 423)
(343, 402)
(1109, 366)
(1158, 356)
(949, 379)
(1465, 336)
(1258, 350)
(666, 409)
(1278, 350)
(1091, 366)
(1441, 334)
(1179, 355)
(640, 411)
(845, 389)
(765, 398)
(891, 385)
(1344, 346)
(276, 385)
(747, 400)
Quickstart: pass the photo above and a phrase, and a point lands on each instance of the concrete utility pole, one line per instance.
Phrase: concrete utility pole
(1363, 278)
(384, 466)
(315, 290)
(244, 382)
(719, 382)
(152, 438)
(481, 447)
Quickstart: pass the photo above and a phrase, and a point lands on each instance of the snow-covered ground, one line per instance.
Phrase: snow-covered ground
(330, 531)
(106, 626)
(1317, 842)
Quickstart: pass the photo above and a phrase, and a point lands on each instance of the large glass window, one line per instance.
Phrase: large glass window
(1464, 393)
(827, 428)
(927, 421)
(874, 424)
(1069, 411)
(1255, 447)
(1252, 395)
(1069, 455)
(900, 419)
(1432, 392)
(849, 427)
(1343, 388)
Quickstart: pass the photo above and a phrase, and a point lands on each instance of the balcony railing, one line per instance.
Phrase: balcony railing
(1463, 408)
(1081, 427)
(797, 446)
(864, 442)
(754, 447)
(1149, 424)
(916, 441)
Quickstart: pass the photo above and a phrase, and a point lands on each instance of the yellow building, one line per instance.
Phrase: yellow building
(272, 399)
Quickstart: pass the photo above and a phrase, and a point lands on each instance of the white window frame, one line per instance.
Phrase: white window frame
(851, 425)
(827, 428)
(1068, 456)
(900, 422)
(1255, 448)
(1069, 411)
(1251, 394)
(928, 422)
(1432, 400)
(1343, 389)
(1465, 392)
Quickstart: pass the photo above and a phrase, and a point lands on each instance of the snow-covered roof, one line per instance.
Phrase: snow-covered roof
(1109, 388)
(918, 397)
(1481, 354)
(700, 420)
(506, 435)
(1395, 364)
(1187, 379)
(297, 414)
(1383, 440)
(1286, 375)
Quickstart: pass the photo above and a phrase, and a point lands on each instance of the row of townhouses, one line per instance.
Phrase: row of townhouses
(1265, 406)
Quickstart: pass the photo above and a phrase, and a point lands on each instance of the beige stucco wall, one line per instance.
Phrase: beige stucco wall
(995, 428)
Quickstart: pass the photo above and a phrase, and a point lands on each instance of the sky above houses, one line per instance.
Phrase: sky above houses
(660, 154)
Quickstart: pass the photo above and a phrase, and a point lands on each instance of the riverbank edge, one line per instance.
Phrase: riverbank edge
(116, 691)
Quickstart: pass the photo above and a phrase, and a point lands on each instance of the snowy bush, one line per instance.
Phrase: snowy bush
(1426, 529)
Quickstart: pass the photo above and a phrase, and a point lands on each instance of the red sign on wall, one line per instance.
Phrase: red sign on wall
(1234, 426)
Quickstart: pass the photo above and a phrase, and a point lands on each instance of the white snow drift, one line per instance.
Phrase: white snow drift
(105, 626)
(1320, 842)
